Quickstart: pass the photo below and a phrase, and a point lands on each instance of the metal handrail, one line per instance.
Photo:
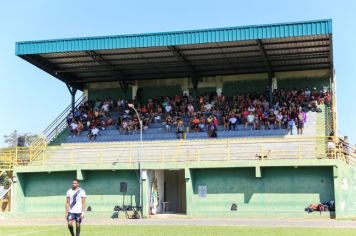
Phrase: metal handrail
(52, 130)
(181, 151)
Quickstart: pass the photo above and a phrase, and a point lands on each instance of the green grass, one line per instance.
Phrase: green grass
(144, 230)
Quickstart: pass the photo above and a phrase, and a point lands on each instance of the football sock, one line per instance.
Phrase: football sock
(70, 227)
(77, 230)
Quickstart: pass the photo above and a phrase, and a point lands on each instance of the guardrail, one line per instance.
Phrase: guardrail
(52, 131)
(260, 149)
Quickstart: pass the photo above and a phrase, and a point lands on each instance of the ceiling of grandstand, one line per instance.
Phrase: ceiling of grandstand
(258, 55)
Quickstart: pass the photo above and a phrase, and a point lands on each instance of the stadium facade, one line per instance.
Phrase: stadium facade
(242, 173)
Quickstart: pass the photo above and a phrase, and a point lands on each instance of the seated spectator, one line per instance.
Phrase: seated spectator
(190, 110)
(157, 117)
(168, 109)
(169, 122)
(279, 118)
(226, 122)
(79, 128)
(232, 123)
(108, 121)
(202, 124)
(195, 124)
(212, 131)
(124, 127)
(271, 120)
(208, 107)
(245, 113)
(73, 128)
(93, 133)
(250, 120)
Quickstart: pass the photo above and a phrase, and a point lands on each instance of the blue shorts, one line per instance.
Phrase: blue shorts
(74, 216)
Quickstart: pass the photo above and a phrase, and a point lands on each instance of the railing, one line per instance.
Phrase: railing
(52, 131)
(221, 150)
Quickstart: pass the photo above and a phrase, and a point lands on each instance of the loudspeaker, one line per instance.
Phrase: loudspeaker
(123, 187)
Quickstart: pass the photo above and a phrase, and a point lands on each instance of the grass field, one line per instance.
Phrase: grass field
(144, 230)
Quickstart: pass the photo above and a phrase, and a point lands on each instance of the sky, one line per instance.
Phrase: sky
(30, 98)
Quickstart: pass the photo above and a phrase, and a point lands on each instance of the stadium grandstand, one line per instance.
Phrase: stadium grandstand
(237, 121)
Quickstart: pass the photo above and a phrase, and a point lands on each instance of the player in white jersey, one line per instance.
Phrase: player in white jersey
(75, 206)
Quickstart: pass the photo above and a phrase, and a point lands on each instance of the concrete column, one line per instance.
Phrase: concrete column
(274, 83)
(86, 94)
(145, 194)
(219, 85)
(134, 91)
(189, 192)
(160, 186)
(185, 86)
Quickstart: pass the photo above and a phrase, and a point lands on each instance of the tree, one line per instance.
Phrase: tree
(14, 139)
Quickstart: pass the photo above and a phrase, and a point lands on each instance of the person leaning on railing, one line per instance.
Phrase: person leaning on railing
(180, 129)
(331, 152)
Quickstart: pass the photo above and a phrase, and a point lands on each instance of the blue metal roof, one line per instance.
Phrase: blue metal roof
(241, 33)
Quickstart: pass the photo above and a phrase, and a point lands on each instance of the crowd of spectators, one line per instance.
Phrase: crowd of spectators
(287, 110)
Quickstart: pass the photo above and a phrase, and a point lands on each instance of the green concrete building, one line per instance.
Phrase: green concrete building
(267, 174)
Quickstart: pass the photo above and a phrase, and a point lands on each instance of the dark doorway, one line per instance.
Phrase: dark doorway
(174, 191)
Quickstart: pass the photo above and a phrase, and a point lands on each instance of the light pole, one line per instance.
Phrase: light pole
(132, 106)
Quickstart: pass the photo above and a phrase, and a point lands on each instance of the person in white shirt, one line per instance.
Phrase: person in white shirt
(93, 133)
(73, 128)
(232, 123)
(75, 207)
(168, 108)
(250, 120)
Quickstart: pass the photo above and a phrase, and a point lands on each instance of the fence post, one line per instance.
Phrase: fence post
(130, 153)
(228, 150)
(16, 156)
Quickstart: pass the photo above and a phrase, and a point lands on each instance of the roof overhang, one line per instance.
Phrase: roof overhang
(197, 53)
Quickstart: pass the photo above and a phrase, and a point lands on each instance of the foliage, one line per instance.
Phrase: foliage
(12, 139)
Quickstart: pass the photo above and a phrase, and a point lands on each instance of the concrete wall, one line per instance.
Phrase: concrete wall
(280, 190)
(45, 192)
(277, 187)
(230, 84)
(345, 188)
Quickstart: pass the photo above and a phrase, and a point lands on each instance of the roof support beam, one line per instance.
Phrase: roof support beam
(269, 69)
(177, 54)
(72, 90)
(265, 58)
(52, 69)
(119, 74)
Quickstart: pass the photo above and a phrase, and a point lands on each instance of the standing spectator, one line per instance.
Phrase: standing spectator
(291, 124)
(180, 129)
(300, 124)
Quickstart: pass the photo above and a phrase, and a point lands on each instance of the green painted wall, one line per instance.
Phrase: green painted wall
(303, 83)
(103, 188)
(345, 188)
(203, 91)
(279, 191)
(244, 87)
(45, 192)
(152, 91)
(114, 93)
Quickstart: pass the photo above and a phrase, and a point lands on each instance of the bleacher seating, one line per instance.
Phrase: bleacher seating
(156, 131)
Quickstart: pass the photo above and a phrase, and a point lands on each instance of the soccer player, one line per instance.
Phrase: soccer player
(75, 206)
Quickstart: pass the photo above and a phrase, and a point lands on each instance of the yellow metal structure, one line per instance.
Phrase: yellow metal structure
(260, 149)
